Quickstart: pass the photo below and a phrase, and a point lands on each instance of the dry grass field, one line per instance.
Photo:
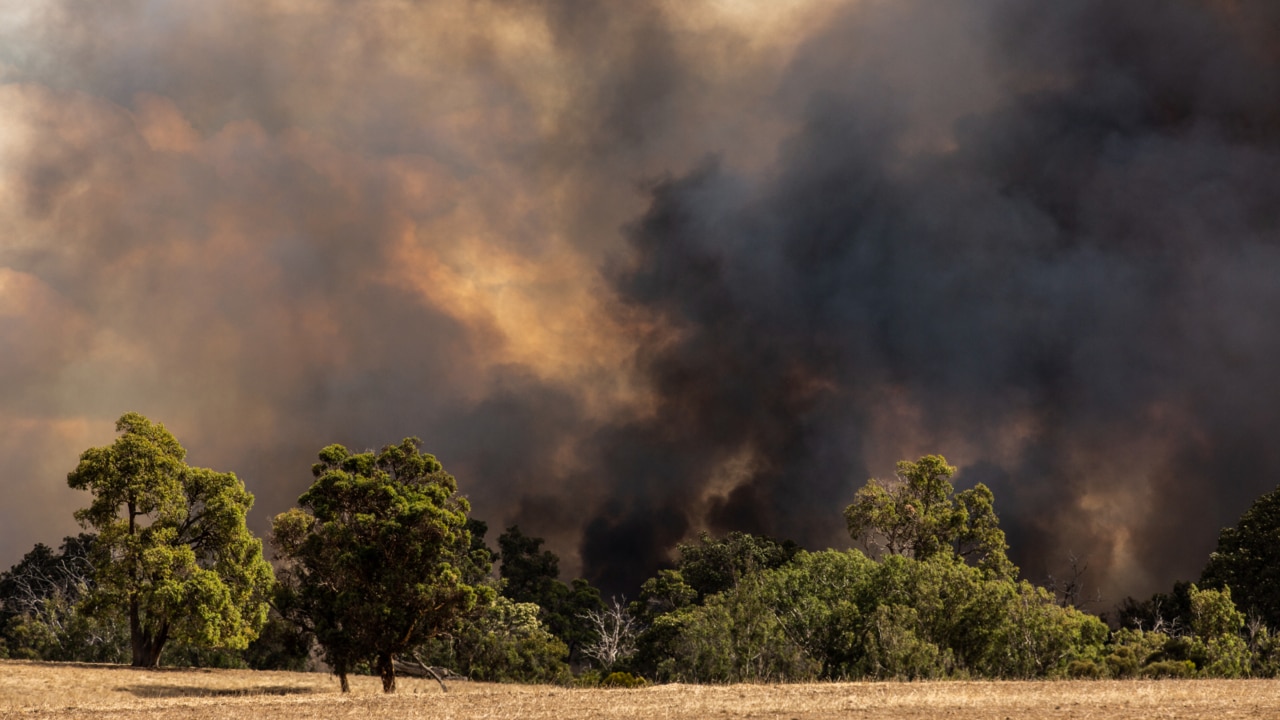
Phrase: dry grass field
(48, 690)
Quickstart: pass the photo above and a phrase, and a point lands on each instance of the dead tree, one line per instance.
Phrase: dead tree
(1070, 590)
(615, 631)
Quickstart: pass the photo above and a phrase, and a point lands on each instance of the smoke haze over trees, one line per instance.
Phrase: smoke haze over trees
(641, 270)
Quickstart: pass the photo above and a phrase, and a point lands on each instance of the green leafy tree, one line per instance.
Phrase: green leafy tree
(281, 645)
(531, 575)
(377, 556)
(482, 558)
(1213, 613)
(173, 552)
(1220, 650)
(898, 646)
(1037, 637)
(919, 515)
(713, 565)
(1265, 649)
(840, 615)
(1248, 560)
(705, 568)
(569, 623)
(819, 599)
(734, 637)
(501, 641)
(661, 594)
(941, 602)
(1213, 647)
(1129, 650)
(982, 625)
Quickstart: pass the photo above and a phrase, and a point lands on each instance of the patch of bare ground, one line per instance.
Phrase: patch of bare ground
(55, 690)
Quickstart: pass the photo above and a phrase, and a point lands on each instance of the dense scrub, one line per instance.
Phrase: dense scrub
(932, 596)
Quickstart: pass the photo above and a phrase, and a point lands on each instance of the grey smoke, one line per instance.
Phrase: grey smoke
(1039, 239)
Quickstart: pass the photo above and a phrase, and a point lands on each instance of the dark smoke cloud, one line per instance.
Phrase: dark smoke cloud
(1071, 281)
(1040, 239)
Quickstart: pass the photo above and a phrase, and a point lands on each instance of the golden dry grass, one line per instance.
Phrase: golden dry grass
(50, 690)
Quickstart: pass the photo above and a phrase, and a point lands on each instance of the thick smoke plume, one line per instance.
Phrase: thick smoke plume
(635, 270)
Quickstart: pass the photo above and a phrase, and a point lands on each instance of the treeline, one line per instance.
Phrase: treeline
(381, 564)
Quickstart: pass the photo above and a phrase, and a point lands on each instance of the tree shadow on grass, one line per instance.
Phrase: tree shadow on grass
(171, 691)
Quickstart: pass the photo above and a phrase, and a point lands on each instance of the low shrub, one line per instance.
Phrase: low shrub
(1169, 669)
(1122, 663)
(1086, 670)
(623, 680)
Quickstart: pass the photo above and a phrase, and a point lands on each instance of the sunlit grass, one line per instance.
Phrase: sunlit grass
(49, 690)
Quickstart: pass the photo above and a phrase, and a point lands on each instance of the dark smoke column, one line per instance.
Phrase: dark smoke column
(1070, 287)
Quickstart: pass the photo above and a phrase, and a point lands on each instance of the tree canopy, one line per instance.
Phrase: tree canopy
(377, 555)
(918, 514)
(381, 561)
(838, 615)
(172, 548)
(1248, 560)
(531, 575)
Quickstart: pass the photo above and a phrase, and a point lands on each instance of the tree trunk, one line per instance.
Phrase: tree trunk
(340, 669)
(386, 668)
(146, 646)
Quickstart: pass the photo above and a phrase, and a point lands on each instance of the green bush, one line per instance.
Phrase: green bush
(735, 637)
(501, 642)
(1265, 659)
(840, 615)
(1226, 656)
(1130, 650)
(622, 680)
(596, 679)
(1217, 649)
(897, 652)
(1086, 670)
(1038, 638)
(1122, 663)
(1169, 669)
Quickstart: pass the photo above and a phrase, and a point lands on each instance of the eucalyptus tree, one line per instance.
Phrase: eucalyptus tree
(172, 552)
(919, 514)
(1247, 560)
(377, 556)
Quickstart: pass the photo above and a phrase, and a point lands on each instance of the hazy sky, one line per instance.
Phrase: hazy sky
(638, 269)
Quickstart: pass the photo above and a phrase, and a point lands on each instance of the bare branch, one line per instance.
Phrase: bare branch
(616, 632)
